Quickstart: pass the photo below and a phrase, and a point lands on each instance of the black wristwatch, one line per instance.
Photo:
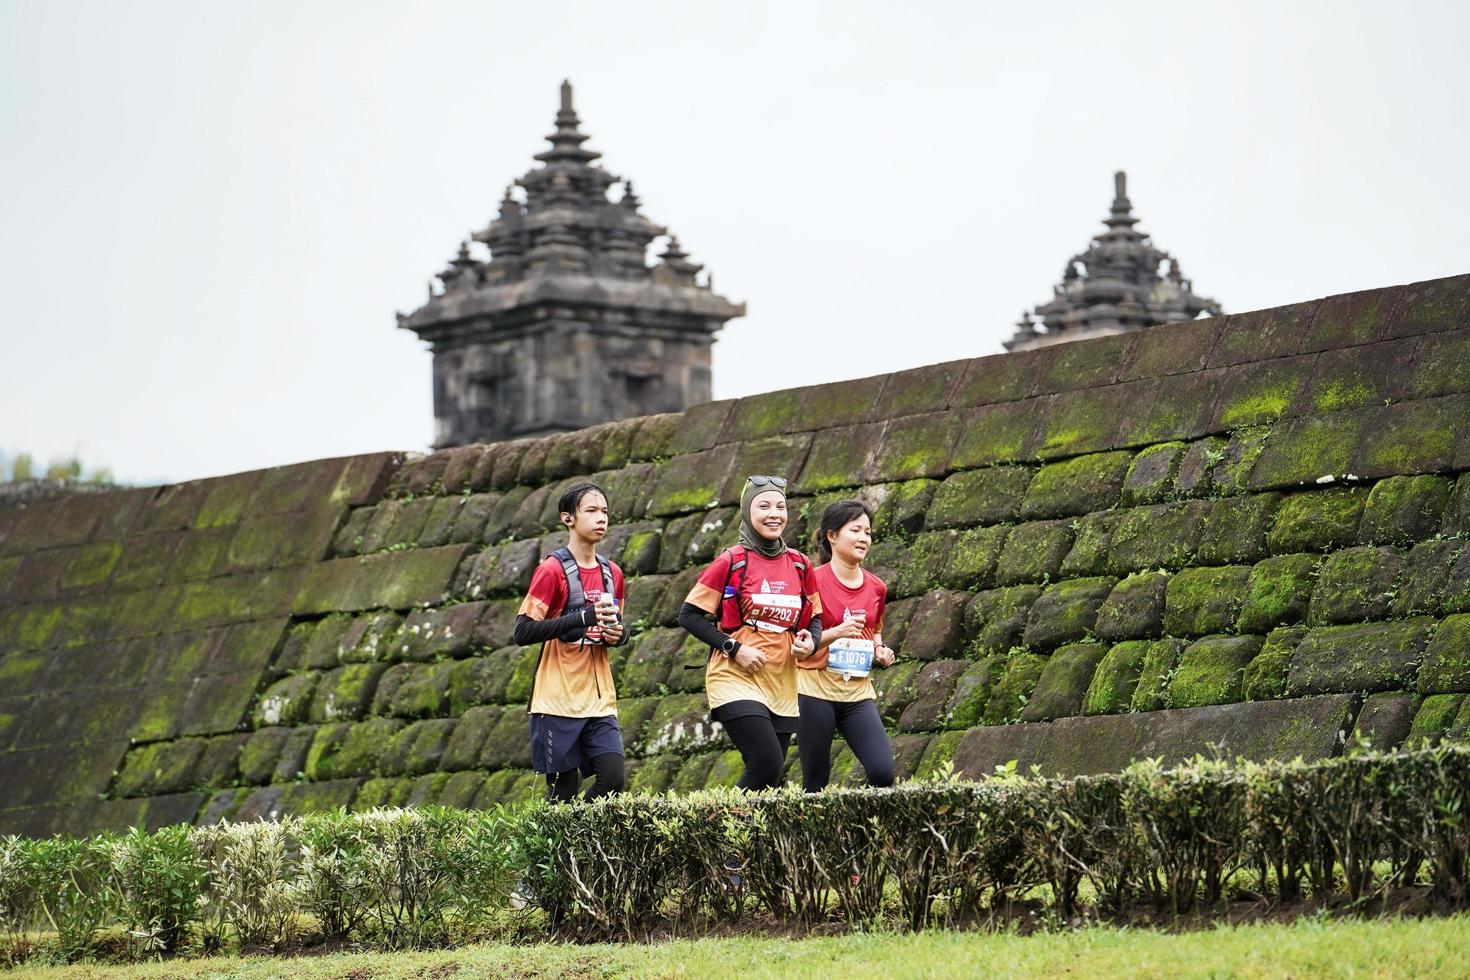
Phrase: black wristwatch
(729, 647)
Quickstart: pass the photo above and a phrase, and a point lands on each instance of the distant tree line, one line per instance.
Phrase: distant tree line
(23, 466)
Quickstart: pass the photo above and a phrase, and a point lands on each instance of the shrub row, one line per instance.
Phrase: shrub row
(924, 853)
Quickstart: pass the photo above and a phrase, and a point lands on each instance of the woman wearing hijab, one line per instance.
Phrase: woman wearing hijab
(763, 600)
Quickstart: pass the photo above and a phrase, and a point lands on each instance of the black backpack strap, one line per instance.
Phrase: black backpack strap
(576, 595)
(608, 587)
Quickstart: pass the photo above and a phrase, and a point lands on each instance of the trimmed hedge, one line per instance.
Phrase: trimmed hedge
(943, 851)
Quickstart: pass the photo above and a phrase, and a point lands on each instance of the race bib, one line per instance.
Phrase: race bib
(851, 658)
(773, 612)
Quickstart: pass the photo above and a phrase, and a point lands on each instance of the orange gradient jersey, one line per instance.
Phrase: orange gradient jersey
(838, 601)
(573, 680)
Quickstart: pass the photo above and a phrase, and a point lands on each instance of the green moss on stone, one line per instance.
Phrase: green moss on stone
(1160, 536)
(972, 690)
(1134, 609)
(1404, 509)
(653, 775)
(1365, 657)
(1092, 536)
(900, 509)
(468, 740)
(1013, 691)
(1412, 437)
(1278, 592)
(1304, 450)
(518, 689)
(1151, 474)
(287, 701)
(694, 773)
(1261, 394)
(1204, 600)
(1317, 520)
(1436, 579)
(1235, 529)
(1001, 433)
(1064, 682)
(896, 687)
(917, 446)
(1159, 661)
(1265, 677)
(159, 768)
(425, 692)
(984, 496)
(417, 748)
(1446, 666)
(1116, 678)
(91, 565)
(1034, 552)
(1076, 486)
(1435, 716)
(996, 619)
(841, 458)
(1356, 584)
(1066, 612)
(972, 559)
(1211, 671)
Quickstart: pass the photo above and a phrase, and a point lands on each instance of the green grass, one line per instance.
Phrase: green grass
(1420, 948)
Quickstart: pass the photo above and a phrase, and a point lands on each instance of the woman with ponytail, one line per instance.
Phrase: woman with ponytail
(763, 600)
(833, 689)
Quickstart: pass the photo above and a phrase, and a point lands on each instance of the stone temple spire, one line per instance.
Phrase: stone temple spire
(1114, 286)
(570, 322)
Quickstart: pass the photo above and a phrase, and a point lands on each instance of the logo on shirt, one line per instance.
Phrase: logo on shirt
(767, 586)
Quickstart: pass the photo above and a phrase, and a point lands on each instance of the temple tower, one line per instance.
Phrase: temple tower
(567, 324)
(1113, 287)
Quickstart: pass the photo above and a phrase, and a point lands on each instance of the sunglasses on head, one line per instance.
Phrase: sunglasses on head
(779, 482)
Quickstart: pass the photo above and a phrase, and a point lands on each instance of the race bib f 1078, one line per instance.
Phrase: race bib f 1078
(851, 658)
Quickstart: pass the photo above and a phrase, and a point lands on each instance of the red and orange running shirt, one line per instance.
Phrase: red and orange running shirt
(871, 596)
(573, 680)
(770, 612)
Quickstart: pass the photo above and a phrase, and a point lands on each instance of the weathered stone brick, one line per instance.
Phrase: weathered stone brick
(1436, 579)
(1159, 661)
(1384, 720)
(635, 547)
(1063, 683)
(972, 690)
(680, 723)
(841, 458)
(396, 580)
(467, 742)
(898, 508)
(972, 559)
(1446, 667)
(1304, 451)
(1350, 319)
(287, 701)
(697, 538)
(996, 619)
(1357, 377)
(1433, 719)
(935, 688)
(1235, 529)
(1086, 421)
(1413, 437)
(1204, 600)
(924, 564)
(1196, 468)
(1441, 365)
(1254, 394)
(1134, 609)
(416, 749)
(1166, 409)
(498, 569)
(653, 656)
(509, 743)
(1113, 682)
(1366, 657)
(984, 496)
(1318, 520)
(1002, 433)
(1211, 671)
(1404, 509)
(1278, 592)
(1456, 514)
(1034, 552)
(916, 446)
(1091, 538)
(1161, 536)
(1066, 612)
(1151, 474)
(1076, 486)
(896, 687)
(1013, 691)
(162, 767)
(1356, 584)
(935, 630)
(773, 456)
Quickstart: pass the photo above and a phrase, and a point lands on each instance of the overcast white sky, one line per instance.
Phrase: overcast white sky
(211, 211)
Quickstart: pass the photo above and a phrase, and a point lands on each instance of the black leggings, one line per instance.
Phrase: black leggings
(861, 728)
(608, 768)
(762, 749)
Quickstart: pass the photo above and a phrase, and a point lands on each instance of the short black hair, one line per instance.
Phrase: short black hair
(572, 498)
(836, 517)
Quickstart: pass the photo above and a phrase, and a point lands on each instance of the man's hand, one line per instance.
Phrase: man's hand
(802, 646)
(752, 660)
(612, 633)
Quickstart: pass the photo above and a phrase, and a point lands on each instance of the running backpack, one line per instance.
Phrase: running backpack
(576, 595)
(730, 619)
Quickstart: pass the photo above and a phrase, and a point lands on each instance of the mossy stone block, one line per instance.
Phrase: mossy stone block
(726, 771)
(935, 689)
(393, 678)
(321, 643)
(1404, 509)
(1086, 421)
(1160, 659)
(1303, 451)
(475, 681)
(1076, 486)
(841, 458)
(287, 701)
(395, 580)
(680, 723)
(977, 497)
(694, 773)
(1384, 720)
(634, 546)
(1317, 520)
(896, 688)
(1196, 468)
(936, 760)
(1110, 691)
(159, 768)
(972, 691)
(1092, 537)
(1066, 612)
(898, 508)
(1002, 433)
(369, 638)
(633, 715)
(666, 611)
(1356, 584)
(1364, 657)
(509, 743)
(345, 750)
(925, 562)
(259, 754)
(996, 619)
(916, 446)
(1064, 682)
(1412, 437)
(653, 656)
(936, 630)
(1234, 531)
(1436, 579)
(1013, 691)
(653, 775)
(1435, 716)
(1254, 394)
(462, 789)
(1134, 609)
(92, 564)
(523, 676)
(468, 740)
(500, 569)
(1212, 671)
(972, 559)
(690, 483)
(346, 693)
(381, 792)
(1034, 552)
(425, 692)
(1456, 512)
(1278, 592)
(417, 748)
(1266, 676)
(218, 764)
(1151, 474)
(1158, 536)
(1446, 667)
(1204, 600)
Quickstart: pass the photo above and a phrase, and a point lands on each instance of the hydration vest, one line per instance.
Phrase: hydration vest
(576, 595)
(730, 618)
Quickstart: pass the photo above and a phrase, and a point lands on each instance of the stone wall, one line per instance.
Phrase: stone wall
(1242, 536)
